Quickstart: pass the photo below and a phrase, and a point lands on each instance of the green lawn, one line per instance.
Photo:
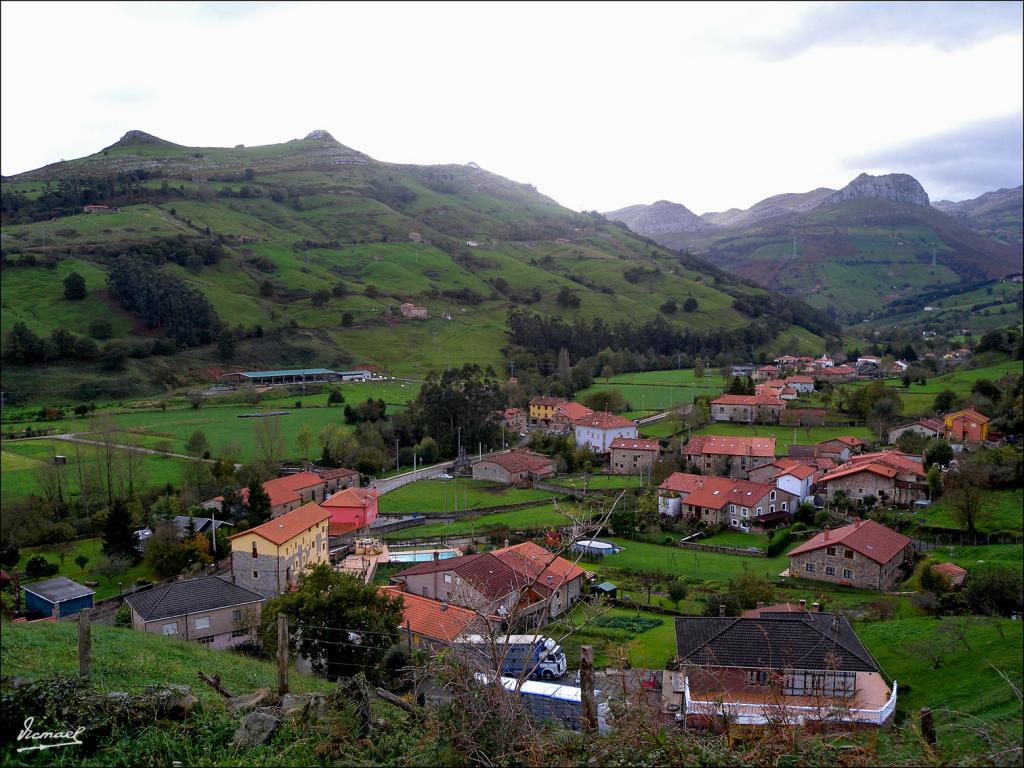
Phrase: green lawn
(598, 481)
(528, 519)
(91, 548)
(461, 493)
(27, 464)
(785, 436)
(727, 538)
(674, 561)
(649, 649)
(1003, 512)
(649, 392)
(967, 681)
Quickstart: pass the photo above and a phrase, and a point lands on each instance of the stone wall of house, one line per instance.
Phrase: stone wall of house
(261, 574)
(866, 572)
(625, 461)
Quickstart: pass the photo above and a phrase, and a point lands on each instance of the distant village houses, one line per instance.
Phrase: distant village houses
(412, 311)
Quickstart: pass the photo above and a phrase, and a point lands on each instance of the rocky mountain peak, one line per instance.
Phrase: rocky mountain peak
(320, 135)
(898, 187)
(661, 218)
(133, 138)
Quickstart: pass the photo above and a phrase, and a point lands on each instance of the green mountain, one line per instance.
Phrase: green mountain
(850, 252)
(998, 214)
(304, 251)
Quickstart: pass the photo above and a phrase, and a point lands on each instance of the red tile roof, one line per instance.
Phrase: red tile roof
(867, 537)
(799, 471)
(716, 492)
(331, 474)
(968, 413)
(522, 461)
(536, 563)
(682, 482)
(849, 440)
(290, 524)
(747, 400)
(572, 411)
(352, 497)
(426, 617)
(635, 444)
(717, 445)
(948, 569)
(800, 379)
(282, 490)
(604, 420)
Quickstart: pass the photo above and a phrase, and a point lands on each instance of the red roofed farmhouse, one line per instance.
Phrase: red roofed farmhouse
(352, 509)
(734, 456)
(864, 554)
(631, 456)
(513, 467)
(891, 476)
(674, 490)
(597, 430)
(737, 503)
(429, 622)
(747, 409)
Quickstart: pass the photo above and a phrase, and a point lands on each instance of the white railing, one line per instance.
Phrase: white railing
(762, 714)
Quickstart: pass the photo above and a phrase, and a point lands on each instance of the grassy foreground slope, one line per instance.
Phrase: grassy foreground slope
(311, 215)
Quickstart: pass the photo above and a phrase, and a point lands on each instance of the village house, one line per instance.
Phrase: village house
(566, 413)
(892, 477)
(431, 624)
(413, 311)
(929, 428)
(790, 475)
(966, 426)
(863, 554)
(747, 409)
(415, 237)
(292, 491)
(352, 510)
(765, 372)
(739, 504)
(733, 456)
(786, 361)
(799, 667)
(842, 447)
(514, 419)
(953, 573)
(835, 373)
(802, 384)
(542, 410)
(99, 209)
(674, 489)
(632, 456)
(514, 467)
(526, 578)
(267, 559)
(209, 610)
(599, 430)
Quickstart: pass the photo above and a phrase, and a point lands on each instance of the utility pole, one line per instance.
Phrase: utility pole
(397, 465)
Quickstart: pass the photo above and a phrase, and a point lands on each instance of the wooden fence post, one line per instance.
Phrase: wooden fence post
(84, 643)
(928, 726)
(282, 654)
(587, 686)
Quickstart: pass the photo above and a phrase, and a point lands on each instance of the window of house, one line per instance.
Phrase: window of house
(236, 615)
(847, 573)
(734, 522)
(425, 592)
(809, 567)
(771, 496)
(169, 629)
(785, 506)
(254, 552)
(205, 640)
(240, 633)
(830, 570)
(447, 578)
(830, 551)
(771, 508)
(757, 677)
(760, 510)
(732, 508)
(255, 574)
(745, 512)
(848, 554)
(203, 622)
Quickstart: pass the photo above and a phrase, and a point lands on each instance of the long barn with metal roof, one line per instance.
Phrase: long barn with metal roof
(295, 376)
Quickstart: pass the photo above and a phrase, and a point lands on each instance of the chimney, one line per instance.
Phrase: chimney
(803, 604)
(816, 607)
(826, 533)
(437, 556)
(506, 543)
(444, 607)
(760, 604)
(721, 610)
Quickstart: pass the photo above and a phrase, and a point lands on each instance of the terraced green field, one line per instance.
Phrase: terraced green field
(431, 496)
(528, 519)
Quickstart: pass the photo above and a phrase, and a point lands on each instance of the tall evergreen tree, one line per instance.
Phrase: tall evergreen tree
(258, 503)
(117, 532)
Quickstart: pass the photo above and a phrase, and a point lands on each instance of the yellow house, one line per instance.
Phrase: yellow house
(268, 558)
(542, 409)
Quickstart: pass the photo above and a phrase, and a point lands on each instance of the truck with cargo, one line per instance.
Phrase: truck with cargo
(536, 655)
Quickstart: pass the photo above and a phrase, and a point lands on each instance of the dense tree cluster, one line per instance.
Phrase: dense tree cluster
(162, 300)
(67, 196)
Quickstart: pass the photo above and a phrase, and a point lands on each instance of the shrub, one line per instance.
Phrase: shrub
(123, 617)
(38, 567)
(779, 541)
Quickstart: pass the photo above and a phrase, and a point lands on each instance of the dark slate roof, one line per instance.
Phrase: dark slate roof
(193, 596)
(58, 590)
(773, 640)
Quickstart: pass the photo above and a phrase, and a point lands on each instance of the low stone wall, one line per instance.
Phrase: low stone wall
(723, 549)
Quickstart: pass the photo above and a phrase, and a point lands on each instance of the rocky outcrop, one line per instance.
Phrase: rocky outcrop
(258, 698)
(661, 218)
(320, 135)
(770, 208)
(897, 187)
(255, 729)
(135, 138)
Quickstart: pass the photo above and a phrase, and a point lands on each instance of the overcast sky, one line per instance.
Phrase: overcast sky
(599, 105)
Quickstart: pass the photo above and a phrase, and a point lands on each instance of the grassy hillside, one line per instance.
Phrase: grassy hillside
(858, 256)
(311, 215)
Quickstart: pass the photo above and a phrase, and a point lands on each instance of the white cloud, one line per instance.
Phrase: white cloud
(598, 105)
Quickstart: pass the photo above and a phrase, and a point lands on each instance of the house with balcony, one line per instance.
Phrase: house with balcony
(798, 667)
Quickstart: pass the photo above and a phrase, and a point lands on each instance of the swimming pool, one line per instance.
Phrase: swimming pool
(420, 557)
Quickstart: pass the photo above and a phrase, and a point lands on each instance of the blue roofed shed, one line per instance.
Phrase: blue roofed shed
(69, 596)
